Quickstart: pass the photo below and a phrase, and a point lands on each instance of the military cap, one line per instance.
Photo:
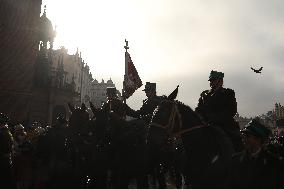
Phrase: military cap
(111, 91)
(257, 129)
(215, 75)
(150, 87)
(3, 118)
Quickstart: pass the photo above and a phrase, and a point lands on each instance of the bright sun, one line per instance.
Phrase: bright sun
(98, 29)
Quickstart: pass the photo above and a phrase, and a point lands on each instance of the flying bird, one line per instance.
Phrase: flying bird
(256, 70)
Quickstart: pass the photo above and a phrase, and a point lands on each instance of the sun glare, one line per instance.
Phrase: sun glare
(98, 29)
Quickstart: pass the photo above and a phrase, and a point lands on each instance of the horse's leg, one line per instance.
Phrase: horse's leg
(161, 177)
(177, 177)
(142, 181)
(99, 180)
(153, 177)
(113, 179)
(187, 183)
(124, 180)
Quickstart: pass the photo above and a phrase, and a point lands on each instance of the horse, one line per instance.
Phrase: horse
(82, 144)
(208, 149)
(124, 142)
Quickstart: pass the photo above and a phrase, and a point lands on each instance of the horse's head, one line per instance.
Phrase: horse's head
(166, 119)
(162, 119)
(171, 119)
(79, 116)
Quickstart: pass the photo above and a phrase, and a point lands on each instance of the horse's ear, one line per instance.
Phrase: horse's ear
(83, 107)
(173, 95)
(71, 107)
(93, 108)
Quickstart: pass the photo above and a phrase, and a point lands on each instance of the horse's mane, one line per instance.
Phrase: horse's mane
(187, 113)
(184, 107)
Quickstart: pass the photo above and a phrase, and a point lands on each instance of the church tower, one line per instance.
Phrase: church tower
(43, 62)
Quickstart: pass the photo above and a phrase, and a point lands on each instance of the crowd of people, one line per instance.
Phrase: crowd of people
(31, 157)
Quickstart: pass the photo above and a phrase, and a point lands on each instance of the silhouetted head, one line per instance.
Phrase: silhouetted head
(111, 93)
(216, 79)
(150, 89)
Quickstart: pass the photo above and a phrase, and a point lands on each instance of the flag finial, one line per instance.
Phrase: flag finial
(126, 45)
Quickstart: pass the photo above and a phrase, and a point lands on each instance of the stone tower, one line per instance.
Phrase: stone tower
(19, 43)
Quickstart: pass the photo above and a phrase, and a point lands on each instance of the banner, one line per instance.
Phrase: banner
(132, 80)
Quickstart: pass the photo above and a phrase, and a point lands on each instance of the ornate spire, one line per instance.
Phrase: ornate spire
(126, 45)
(44, 11)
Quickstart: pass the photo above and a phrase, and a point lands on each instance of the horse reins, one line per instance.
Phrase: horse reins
(171, 122)
(169, 127)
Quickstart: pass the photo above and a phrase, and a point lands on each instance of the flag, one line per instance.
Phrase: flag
(132, 80)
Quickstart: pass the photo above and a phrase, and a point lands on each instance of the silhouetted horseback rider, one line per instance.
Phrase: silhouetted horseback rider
(149, 104)
(129, 137)
(145, 114)
(118, 128)
(6, 147)
(116, 111)
(115, 105)
(218, 107)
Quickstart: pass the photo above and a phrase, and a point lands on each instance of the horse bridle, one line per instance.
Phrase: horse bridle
(169, 127)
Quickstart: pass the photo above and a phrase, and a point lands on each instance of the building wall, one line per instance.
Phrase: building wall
(24, 41)
(86, 85)
(19, 44)
(98, 91)
(71, 65)
(21, 31)
(242, 120)
(279, 111)
(75, 70)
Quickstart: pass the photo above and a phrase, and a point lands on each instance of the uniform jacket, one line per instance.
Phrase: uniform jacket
(148, 107)
(262, 171)
(218, 108)
(119, 108)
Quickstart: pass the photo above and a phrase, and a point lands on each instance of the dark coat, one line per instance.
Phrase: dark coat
(219, 108)
(119, 108)
(260, 172)
(148, 107)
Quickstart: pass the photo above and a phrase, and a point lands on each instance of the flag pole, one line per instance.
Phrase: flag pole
(126, 47)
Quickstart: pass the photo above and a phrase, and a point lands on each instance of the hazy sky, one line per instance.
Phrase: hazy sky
(178, 42)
